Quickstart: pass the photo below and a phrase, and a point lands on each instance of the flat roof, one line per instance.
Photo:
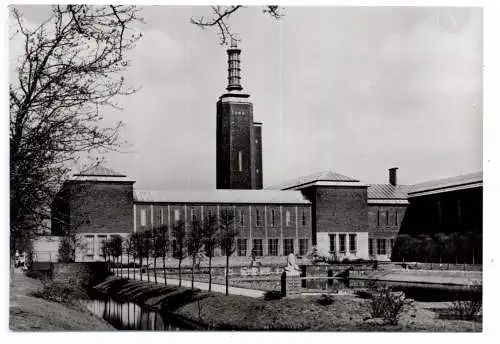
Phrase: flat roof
(220, 196)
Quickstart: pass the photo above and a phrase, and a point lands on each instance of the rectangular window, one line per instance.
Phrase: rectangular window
(241, 247)
(273, 218)
(381, 246)
(352, 243)
(257, 247)
(287, 246)
(193, 215)
(161, 216)
(387, 218)
(332, 242)
(273, 247)
(287, 219)
(304, 222)
(89, 245)
(177, 215)
(143, 217)
(303, 247)
(391, 244)
(258, 220)
(240, 161)
(342, 243)
(378, 218)
(396, 218)
(100, 244)
(174, 247)
(241, 217)
(370, 247)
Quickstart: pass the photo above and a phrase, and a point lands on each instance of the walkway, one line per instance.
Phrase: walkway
(218, 288)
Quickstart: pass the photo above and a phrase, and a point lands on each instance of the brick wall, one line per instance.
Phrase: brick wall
(89, 273)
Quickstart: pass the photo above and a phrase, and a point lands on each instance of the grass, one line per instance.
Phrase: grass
(232, 312)
(28, 313)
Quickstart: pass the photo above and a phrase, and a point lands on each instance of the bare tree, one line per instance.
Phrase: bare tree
(194, 245)
(227, 237)
(115, 245)
(147, 248)
(161, 246)
(179, 247)
(69, 70)
(220, 16)
(136, 249)
(126, 248)
(210, 242)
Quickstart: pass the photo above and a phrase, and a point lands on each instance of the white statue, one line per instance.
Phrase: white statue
(291, 266)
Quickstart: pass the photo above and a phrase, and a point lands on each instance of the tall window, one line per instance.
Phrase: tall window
(242, 217)
(143, 217)
(342, 243)
(273, 218)
(174, 247)
(100, 244)
(304, 222)
(272, 247)
(287, 246)
(241, 247)
(303, 246)
(89, 245)
(240, 161)
(177, 215)
(257, 246)
(391, 244)
(161, 216)
(396, 218)
(258, 220)
(370, 247)
(352, 242)
(381, 246)
(386, 218)
(287, 219)
(378, 217)
(332, 242)
(193, 215)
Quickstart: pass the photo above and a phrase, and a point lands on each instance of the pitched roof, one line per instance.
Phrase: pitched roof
(220, 196)
(99, 174)
(448, 184)
(325, 176)
(388, 192)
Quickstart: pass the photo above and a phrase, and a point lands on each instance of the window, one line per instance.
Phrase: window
(342, 243)
(257, 247)
(391, 244)
(241, 247)
(273, 218)
(370, 247)
(287, 246)
(177, 215)
(304, 222)
(242, 217)
(332, 242)
(378, 217)
(287, 219)
(352, 243)
(143, 217)
(381, 246)
(387, 218)
(100, 244)
(273, 247)
(174, 248)
(161, 216)
(303, 246)
(89, 245)
(258, 220)
(396, 218)
(193, 215)
(240, 161)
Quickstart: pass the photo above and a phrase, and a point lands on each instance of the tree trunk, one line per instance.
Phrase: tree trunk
(192, 273)
(227, 274)
(156, 281)
(121, 264)
(209, 272)
(180, 262)
(164, 271)
(147, 266)
(140, 267)
(128, 265)
(133, 269)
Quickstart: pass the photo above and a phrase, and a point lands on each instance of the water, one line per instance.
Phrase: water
(130, 316)
(417, 291)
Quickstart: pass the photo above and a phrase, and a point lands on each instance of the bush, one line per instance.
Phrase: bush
(272, 295)
(468, 309)
(69, 293)
(325, 300)
(387, 304)
(37, 274)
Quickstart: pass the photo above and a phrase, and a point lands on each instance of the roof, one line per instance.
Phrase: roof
(220, 196)
(99, 174)
(325, 176)
(388, 192)
(461, 182)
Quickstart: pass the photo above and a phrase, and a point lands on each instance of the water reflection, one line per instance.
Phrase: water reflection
(129, 316)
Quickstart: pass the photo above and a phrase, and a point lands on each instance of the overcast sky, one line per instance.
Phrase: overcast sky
(355, 90)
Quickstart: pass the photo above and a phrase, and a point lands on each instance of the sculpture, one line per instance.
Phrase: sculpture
(291, 265)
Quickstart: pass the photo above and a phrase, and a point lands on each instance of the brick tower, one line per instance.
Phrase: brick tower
(239, 145)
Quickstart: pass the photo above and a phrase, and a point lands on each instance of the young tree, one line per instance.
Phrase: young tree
(70, 68)
(194, 245)
(179, 247)
(115, 248)
(66, 252)
(126, 248)
(161, 246)
(227, 237)
(136, 250)
(210, 242)
(147, 248)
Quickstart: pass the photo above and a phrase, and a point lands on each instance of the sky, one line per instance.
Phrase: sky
(355, 90)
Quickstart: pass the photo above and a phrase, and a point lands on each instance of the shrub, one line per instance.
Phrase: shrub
(468, 309)
(37, 274)
(69, 293)
(272, 295)
(387, 304)
(325, 300)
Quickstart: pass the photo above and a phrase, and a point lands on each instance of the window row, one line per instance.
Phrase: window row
(342, 243)
(272, 247)
(241, 217)
(386, 216)
(383, 246)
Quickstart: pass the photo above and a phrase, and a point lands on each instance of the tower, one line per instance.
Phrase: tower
(239, 144)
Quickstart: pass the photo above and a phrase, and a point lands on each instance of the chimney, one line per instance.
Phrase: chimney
(393, 176)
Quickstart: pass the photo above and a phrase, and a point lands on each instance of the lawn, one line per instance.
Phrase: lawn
(28, 313)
